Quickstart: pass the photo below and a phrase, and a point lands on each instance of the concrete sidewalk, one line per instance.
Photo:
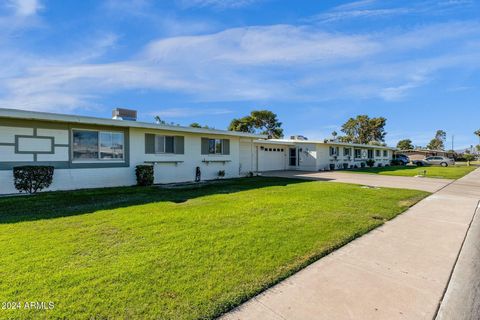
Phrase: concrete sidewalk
(398, 271)
(376, 180)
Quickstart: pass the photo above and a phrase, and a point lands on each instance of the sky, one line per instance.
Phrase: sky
(314, 63)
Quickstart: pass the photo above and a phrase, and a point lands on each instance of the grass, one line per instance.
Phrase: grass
(472, 163)
(193, 253)
(450, 172)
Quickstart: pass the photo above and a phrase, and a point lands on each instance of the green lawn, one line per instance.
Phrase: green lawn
(192, 253)
(450, 172)
(472, 163)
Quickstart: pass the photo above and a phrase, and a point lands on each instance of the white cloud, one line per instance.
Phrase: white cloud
(25, 8)
(262, 63)
(189, 112)
(273, 45)
(355, 5)
(219, 4)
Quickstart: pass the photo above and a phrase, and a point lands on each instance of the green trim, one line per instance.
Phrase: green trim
(101, 163)
(35, 124)
(18, 137)
(7, 144)
(10, 165)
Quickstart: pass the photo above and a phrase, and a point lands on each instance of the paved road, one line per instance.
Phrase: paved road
(398, 271)
(425, 184)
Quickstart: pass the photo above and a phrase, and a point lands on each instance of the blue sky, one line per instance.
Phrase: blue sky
(314, 63)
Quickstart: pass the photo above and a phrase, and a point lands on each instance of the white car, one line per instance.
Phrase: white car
(436, 160)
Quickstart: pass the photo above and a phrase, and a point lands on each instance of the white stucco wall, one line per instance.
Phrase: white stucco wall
(247, 156)
(78, 178)
(324, 159)
(185, 171)
(307, 157)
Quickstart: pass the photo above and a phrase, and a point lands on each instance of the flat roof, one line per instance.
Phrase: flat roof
(425, 151)
(291, 141)
(57, 117)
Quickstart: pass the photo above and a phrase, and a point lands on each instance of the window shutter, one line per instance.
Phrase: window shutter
(179, 144)
(149, 143)
(205, 145)
(226, 146)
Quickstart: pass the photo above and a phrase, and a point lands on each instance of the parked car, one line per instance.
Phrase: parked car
(437, 160)
(403, 159)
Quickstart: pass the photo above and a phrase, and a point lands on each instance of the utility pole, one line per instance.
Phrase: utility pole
(453, 143)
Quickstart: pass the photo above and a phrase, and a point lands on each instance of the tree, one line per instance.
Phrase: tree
(405, 144)
(198, 125)
(438, 143)
(159, 120)
(364, 129)
(259, 121)
(245, 124)
(469, 157)
(477, 133)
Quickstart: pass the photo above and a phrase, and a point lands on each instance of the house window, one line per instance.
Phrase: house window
(358, 153)
(333, 151)
(111, 145)
(215, 146)
(97, 145)
(385, 153)
(164, 144)
(377, 153)
(370, 154)
(347, 152)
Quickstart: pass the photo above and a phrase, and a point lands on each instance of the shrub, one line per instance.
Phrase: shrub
(332, 166)
(469, 157)
(31, 179)
(370, 162)
(362, 164)
(221, 173)
(144, 175)
(345, 166)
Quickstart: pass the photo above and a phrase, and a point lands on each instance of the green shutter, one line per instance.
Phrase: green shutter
(226, 146)
(149, 143)
(179, 145)
(205, 145)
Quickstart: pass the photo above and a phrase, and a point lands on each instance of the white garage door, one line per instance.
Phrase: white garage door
(272, 158)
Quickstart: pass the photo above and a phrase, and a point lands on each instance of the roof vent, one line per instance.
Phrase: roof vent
(124, 114)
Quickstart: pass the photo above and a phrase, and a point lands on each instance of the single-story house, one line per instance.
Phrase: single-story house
(89, 152)
(309, 155)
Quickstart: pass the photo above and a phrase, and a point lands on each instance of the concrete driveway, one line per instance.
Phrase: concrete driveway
(425, 184)
(398, 271)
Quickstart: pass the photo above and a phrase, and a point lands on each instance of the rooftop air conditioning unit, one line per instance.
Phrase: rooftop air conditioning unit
(298, 137)
(124, 114)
